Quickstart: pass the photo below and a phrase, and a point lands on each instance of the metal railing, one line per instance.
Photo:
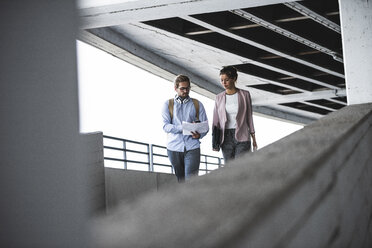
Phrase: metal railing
(134, 155)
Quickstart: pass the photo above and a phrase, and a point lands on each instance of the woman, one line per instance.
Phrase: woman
(233, 118)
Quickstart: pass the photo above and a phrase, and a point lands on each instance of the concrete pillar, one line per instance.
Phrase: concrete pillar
(41, 185)
(356, 27)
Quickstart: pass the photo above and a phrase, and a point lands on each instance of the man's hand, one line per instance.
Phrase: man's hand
(195, 135)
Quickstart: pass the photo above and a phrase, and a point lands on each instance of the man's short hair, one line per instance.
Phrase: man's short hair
(179, 79)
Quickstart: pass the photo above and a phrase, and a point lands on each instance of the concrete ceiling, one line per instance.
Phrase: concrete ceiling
(288, 54)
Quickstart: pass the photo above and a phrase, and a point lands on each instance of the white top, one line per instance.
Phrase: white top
(231, 110)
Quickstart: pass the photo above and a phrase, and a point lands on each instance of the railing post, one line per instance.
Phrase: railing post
(206, 164)
(151, 157)
(125, 154)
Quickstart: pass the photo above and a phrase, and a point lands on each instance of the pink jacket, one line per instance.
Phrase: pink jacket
(244, 119)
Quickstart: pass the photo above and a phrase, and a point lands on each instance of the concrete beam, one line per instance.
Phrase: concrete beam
(356, 26)
(318, 106)
(307, 96)
(290, 115)
(139, 11)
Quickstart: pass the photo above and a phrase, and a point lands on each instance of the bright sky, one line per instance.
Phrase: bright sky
(125, 101)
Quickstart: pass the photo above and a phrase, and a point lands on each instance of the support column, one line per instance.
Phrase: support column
(356, 27)
(42, 177)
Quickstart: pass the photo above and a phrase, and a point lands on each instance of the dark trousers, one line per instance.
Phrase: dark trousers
(231, 148)
(185, 164)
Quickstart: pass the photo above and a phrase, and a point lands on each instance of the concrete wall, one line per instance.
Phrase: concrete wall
(127, 185)
(356, 30)
(42, 183)
(310, 189)
(95, 176)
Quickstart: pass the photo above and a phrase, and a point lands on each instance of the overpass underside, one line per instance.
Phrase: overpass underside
(311, 189)
(289, 54)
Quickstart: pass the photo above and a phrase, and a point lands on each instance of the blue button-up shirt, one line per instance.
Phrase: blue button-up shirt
(176, 141)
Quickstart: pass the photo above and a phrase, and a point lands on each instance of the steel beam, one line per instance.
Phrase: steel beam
(286, 33)
(296, 6)
(139, 11)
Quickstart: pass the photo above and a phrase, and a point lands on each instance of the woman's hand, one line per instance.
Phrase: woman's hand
(255, 147)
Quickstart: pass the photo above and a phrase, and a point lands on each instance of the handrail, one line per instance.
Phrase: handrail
(152, 166)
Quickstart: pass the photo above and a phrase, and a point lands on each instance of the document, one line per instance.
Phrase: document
(200, 127)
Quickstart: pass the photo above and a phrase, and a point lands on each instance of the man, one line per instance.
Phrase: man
(183, 150)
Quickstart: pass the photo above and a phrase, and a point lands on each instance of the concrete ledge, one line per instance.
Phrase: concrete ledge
(95, 176)
(311, 189)
(128, 185)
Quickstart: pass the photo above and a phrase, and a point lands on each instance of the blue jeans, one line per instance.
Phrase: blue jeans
(185, 164)
(231, 148)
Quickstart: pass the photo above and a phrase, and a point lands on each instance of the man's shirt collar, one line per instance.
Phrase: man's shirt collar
(180, 100)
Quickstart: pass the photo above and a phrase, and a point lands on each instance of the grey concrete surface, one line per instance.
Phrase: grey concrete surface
(310, 189)
(95, 176)
(125, 186)
(357, 33)
(42, 184)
